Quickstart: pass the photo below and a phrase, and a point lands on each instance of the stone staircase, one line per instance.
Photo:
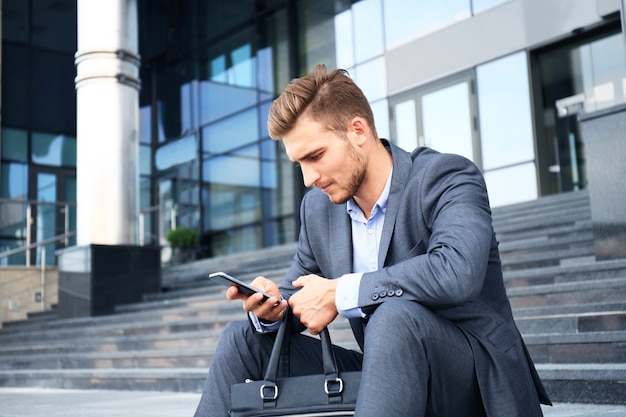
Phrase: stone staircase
(570, 308)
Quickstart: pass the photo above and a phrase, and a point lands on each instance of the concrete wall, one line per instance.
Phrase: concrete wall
(507, 28)
(18, 289)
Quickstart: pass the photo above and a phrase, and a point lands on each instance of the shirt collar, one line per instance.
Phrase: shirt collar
(353, 208)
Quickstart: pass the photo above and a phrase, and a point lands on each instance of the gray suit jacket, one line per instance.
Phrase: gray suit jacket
(439, 247)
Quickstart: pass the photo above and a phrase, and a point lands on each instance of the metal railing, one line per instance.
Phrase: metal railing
(16, 220)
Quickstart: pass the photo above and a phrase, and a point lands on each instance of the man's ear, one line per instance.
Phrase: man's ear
(359, 130)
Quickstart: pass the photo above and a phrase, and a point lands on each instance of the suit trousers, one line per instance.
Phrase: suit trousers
(415, 363)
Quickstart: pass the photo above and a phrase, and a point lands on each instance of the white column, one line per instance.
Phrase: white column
(107, 122)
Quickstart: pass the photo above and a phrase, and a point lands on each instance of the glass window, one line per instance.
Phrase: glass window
(15, 27)
(446, 120)
(53, 150)
(317, 36)
(145, 124)
(46, 214)
(14, 181)
(512, 184)
(15, 81)
(53, 105)
(371, 78)
(231, 133)
(408, 19)
(406, 125)
(176, 153)
(54, 25)
(145, 160)
(506, 129)
(14, 145)
(603, 71)
(273, 54)
(368, 30)
(380, 109)
(239, 170)
(344, 40)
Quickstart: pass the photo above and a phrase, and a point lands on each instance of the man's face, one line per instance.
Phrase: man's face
(329, 162)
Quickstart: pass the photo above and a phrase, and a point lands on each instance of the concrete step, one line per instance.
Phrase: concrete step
(568, 293)
(585, 383)
(588, 347)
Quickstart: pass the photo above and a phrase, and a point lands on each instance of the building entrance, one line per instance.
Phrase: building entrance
(54, 213)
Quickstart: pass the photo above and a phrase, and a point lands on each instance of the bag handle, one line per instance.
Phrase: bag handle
(333, 383)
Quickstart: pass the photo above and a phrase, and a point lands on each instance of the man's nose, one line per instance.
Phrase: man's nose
(309, 176)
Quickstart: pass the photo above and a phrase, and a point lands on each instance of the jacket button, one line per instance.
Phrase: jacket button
(399, 292)
(383, 294)
(374, 296)
(391, 293)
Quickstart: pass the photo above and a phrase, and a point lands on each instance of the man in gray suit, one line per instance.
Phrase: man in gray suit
(402, 245)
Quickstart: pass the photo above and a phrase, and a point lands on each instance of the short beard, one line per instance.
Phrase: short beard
(356, 179)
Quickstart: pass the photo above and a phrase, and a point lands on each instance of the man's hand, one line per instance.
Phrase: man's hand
(271, 310)
(314, 304)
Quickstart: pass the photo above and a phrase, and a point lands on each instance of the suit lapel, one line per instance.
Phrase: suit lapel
(340, 241)
(401, 169)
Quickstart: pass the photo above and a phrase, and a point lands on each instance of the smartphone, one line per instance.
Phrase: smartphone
(246, 289)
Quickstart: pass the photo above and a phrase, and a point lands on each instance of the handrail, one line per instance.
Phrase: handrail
(44, 242)
(29, 206)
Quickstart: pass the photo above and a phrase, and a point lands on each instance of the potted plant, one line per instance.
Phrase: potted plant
(183, 241)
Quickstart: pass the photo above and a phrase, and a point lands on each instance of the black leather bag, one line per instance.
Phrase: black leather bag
(328, 394)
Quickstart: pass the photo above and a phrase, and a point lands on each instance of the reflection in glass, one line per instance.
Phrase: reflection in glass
(406, 125)
(317, 34)
(231, 133)
(446, 120)
(145, 160)
(70, 197)
(53, 150)
(406, 20)
(504, 107)
(176, 153)
(14, 145)
(14, 181)
(603, 72)
(512, 185)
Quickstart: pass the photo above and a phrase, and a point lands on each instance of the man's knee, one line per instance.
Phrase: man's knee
(402, 315)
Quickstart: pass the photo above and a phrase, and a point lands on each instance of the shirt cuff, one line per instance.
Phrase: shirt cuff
(347, 296)
(262, 327)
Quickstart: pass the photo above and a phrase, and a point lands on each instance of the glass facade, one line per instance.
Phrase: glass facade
(209, 72)
(38, 136)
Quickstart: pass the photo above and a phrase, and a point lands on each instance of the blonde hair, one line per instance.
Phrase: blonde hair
(330, 98)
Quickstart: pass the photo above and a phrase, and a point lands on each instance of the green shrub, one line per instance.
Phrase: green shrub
(182, 237)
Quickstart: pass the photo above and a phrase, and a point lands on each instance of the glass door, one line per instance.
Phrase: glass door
(439, 116)
(54, 212)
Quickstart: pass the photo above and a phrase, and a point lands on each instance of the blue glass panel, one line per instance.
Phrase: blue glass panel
(220, 100)
(145, 160)
(506, 129)
(145, 124)
(14, 181)
(54, 150)
(14, 145)
(231, 133)
(176, 153)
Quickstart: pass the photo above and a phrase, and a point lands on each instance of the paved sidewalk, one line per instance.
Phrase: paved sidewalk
(43, 402)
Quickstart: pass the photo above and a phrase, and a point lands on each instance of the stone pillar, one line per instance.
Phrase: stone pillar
(107, 267)
(605, 153)
(107, 101)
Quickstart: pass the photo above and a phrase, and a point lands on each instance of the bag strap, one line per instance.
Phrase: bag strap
(279, 358)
